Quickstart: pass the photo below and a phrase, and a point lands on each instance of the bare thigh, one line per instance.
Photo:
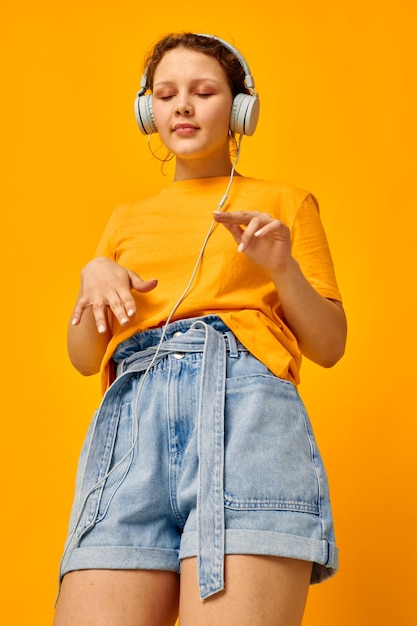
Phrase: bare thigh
(118, 598)
(259, 591)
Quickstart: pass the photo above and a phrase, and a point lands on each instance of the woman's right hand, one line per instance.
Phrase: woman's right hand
(105, 286)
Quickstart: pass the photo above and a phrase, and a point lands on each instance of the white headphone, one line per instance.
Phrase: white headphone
(245, 108)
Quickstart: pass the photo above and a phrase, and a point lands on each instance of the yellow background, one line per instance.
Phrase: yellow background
(337, 81)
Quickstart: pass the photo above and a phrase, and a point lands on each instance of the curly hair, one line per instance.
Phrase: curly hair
(200, 43)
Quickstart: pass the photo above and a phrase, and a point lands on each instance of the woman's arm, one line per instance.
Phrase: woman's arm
(85, 345)
(318, 323)
(105, 291)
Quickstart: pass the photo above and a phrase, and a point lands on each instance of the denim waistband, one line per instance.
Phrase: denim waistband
(200, 336)
(151, 337)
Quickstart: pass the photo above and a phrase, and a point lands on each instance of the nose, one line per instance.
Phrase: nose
(183, 109)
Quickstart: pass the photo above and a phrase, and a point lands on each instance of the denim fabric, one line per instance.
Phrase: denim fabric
(198, 450)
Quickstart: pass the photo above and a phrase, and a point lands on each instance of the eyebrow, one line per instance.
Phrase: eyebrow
(195, 81)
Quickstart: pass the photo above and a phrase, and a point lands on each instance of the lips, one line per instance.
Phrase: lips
(184, 129)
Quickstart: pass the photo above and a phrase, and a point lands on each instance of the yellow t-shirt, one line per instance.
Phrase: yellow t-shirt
(161, 237)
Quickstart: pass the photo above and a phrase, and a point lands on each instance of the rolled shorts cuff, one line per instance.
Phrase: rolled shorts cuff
(322, 553)
(121, 557)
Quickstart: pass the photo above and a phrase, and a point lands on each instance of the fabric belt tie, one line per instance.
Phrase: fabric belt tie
(210, 424)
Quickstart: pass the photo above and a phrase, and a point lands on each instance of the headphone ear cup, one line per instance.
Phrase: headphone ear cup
(244, 115)
(144, 114)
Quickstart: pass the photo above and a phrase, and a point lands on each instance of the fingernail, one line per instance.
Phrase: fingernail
(74, 321)
(124, 320)
(101, 328)
(130, 312)
(241, 247)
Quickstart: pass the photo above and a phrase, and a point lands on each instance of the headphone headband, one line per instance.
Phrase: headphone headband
(249, 81)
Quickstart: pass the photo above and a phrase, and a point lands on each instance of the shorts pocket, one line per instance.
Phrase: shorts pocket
(271, 458)
(104, 462)
(82, 463)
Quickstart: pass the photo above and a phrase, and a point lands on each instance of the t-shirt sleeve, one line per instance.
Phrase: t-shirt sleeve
(311, 249)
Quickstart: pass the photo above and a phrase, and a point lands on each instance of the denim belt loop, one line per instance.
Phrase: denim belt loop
(232, 344)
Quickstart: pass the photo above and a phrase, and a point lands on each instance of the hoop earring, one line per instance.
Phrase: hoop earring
(166, 160)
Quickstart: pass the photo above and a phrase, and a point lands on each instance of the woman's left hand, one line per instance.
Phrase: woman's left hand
(265, 240)
(318, 322)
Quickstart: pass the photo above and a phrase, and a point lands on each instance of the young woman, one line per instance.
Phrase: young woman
(201, 492)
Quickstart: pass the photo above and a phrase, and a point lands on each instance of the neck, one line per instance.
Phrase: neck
(195, 168)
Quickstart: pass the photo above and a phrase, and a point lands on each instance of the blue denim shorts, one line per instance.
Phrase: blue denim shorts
(198, 450)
